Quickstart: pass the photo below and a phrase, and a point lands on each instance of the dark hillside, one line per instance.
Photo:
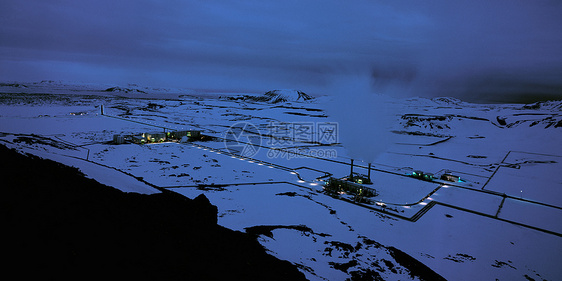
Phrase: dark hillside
(57, 224)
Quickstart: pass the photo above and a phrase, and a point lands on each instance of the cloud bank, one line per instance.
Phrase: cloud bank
(472, 49)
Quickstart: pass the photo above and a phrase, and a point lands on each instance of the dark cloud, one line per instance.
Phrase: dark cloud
(429, 48)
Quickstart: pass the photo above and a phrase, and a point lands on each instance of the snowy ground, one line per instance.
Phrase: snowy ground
(503, 223)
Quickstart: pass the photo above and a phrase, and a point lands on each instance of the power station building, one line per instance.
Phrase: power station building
(156, 137)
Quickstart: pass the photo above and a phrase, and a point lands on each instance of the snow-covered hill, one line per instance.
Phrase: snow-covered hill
(274, 96)
(124, 90)
(500, 222)
(277, 96)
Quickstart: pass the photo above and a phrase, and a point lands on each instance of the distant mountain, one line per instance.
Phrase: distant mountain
(545, 105)
(15, 85)
(275, 96)
(447, 101)
(124, 90)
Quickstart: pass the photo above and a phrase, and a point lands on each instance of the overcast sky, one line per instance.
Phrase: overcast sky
(438, 48)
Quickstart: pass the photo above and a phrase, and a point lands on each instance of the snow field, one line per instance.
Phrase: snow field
(457, 244)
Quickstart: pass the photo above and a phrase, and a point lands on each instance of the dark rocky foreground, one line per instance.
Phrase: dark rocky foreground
(56, 224)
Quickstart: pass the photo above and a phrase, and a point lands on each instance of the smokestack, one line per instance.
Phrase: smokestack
(369, 173)
(351, 173)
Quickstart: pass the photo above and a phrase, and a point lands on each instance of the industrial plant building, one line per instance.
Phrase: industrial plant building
(355, 185)
(156, 137)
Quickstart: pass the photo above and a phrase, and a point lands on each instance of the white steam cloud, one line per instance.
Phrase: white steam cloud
(365, 118)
